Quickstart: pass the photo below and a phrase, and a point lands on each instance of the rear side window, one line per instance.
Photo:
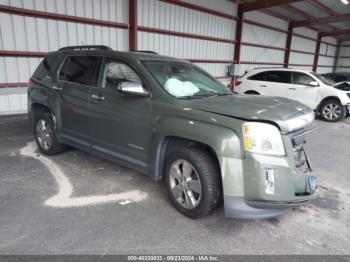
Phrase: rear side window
(79, 69)
(46, 66)
(259, 77)
(278, 77)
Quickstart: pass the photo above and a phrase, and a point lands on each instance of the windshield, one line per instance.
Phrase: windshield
(185, 80)
(323, 79)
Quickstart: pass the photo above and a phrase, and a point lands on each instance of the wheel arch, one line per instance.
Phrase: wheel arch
(251, 92)
(325, 100)
(36, 109)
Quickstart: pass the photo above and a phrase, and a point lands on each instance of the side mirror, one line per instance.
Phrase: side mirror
(132, 88)
(313, 84)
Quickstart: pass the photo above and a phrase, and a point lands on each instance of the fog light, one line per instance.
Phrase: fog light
(269, 181)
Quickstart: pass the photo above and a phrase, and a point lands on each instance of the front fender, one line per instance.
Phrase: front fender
(223, 141)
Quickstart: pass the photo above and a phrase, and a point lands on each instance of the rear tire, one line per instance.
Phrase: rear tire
(332, 111)
(192, 181)
(45, 135)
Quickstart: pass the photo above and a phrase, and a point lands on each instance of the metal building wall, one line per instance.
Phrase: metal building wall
(263, 41)
(344, 57)
(173, 21)
(23, 37)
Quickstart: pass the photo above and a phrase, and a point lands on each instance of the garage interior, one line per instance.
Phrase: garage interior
(311, 35)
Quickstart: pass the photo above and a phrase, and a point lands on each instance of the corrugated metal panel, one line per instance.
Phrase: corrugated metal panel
(326, 49)
(109, 10)
(156, 14)
(324, 70)
(263, 36)
(331, 40)
(13, 101)
(303, 44)
(306, 32)
(307, 68)
(214, 69)
(18, 33)
(326, 61)
(257, 54)
(298, 58)
(266, 19)
(183, 47)
(344, 62)
(218, 5)
(344, 51)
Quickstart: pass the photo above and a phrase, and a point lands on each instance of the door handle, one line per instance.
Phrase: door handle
(57, 88)
(98, 97)
(292, 88)
(263, 86)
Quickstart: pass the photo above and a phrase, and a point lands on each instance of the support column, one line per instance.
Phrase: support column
(317, 52)
(132, 25)
(239, 27)
(288, 45)
(335, 64)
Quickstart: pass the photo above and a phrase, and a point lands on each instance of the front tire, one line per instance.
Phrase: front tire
(332, 111)
(192, 181)
(45, 135)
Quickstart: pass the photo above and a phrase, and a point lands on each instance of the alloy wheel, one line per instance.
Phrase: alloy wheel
(185, 184)
(44, 134)
(331, 111)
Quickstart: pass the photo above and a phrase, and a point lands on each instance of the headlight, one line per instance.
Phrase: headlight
(262, 138)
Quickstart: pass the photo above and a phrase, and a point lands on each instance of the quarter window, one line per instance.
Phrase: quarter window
(114, 72)
(79, 69)
(301, 78)
(278, 77)
(45, 67)
(258, 77)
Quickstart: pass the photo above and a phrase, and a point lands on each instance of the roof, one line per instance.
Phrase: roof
(324, 16)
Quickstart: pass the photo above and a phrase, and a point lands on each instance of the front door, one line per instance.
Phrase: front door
(76, 77)
(120, 124)
(276, 84)
(301, 90)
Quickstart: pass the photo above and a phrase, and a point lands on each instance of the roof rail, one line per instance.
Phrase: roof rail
(85, 47)
(147, 51)
(270, 67)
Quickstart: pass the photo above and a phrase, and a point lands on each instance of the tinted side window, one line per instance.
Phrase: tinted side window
(114, 72)
(46, 66)
(259, 76)
(341, 78)
(79, 69)
(301, 78)
(278, 76)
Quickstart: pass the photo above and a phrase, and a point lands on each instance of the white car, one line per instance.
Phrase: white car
(309, 88)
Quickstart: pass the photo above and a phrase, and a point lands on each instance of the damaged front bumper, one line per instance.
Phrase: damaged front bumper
(273, 184)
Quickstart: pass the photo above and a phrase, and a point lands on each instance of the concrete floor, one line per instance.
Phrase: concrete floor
(93, 218)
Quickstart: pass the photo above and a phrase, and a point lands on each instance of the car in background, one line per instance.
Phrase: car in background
(338, 77)
(331, 102)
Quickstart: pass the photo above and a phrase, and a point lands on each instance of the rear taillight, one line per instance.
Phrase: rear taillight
(30, 82)
(237, 83)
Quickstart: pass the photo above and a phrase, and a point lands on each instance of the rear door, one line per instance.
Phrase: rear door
(120, 124)
(276, 83)
(301, 91)
(76, 77)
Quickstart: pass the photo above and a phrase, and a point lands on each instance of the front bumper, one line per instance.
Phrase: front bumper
(262, 197)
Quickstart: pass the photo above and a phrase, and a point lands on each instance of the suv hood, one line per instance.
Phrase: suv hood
(288, 114)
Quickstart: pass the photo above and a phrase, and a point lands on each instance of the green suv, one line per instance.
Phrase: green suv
(172, 121)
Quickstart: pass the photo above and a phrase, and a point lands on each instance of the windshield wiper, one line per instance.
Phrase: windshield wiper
(203, 96)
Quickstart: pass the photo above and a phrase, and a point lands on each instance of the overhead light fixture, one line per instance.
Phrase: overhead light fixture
(345, 2)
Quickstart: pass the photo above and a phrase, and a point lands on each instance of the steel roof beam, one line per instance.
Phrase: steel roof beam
(262, 4)
(322, 20)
